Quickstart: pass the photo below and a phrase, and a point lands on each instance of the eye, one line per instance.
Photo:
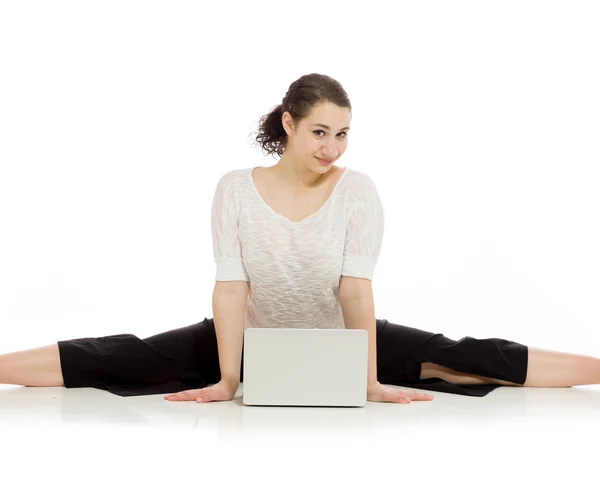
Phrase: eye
(340, 133)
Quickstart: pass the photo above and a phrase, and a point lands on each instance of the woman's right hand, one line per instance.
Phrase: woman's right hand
(222, 391)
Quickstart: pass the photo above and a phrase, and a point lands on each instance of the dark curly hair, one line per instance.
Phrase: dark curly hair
(302, 95)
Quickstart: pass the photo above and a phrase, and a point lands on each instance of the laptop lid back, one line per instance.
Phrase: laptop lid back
(305, 367)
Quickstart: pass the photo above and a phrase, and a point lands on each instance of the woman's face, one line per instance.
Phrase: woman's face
(323, 134)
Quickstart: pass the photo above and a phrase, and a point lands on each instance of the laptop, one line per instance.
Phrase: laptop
(305, 367)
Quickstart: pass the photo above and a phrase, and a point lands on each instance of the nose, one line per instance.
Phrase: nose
(330, 150)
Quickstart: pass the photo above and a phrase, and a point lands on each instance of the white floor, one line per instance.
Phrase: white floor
(91, 433)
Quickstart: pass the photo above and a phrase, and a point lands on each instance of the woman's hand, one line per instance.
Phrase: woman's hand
(222, 391)
(380, 393)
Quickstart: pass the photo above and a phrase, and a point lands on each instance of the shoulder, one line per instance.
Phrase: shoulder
(233, 178)
(234, 175)
(228, 186)
(359, 183)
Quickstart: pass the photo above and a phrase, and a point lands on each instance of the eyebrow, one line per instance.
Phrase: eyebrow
(327, 128)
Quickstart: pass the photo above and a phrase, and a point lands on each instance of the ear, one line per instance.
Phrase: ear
(288, 122)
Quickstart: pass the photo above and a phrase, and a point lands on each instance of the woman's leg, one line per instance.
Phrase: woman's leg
(545, 369)
(188, 354)
(411, 356)
(32, 367)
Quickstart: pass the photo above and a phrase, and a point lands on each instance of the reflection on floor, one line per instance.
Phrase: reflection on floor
(552, 430)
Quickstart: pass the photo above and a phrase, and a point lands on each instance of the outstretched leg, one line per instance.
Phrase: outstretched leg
(409, 355)
(123, 364)
(32, 367)
(546, 369)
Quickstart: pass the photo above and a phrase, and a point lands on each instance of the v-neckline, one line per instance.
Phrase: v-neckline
(284, 217)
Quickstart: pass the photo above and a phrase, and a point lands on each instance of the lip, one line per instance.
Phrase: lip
(321, 159)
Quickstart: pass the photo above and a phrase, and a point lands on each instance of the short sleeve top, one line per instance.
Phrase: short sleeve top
(294, 268)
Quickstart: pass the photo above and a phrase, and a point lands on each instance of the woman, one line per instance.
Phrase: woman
(295, 246)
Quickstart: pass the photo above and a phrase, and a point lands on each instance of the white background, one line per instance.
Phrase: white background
(477, 120)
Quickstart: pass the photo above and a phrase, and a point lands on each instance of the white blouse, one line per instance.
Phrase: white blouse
(294, 268)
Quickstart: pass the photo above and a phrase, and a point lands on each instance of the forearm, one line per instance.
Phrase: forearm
(359, 313)
(229, 313)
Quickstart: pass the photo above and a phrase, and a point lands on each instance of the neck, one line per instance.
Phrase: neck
(294, 174)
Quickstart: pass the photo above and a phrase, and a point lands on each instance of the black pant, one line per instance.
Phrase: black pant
(187, 358)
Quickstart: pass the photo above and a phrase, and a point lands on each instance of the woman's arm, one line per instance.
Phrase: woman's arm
(358, 310)
(229, 307)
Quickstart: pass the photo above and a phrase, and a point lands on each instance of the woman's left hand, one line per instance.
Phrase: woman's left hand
(377, 392)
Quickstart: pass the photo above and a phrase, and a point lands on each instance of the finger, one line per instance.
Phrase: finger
(397, 397)
(209, 394)
(420, 396)
(206, 397)
(416, 396)
(177, 397)
(182, 396)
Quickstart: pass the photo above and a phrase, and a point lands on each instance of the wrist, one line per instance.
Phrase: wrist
(233, 382)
